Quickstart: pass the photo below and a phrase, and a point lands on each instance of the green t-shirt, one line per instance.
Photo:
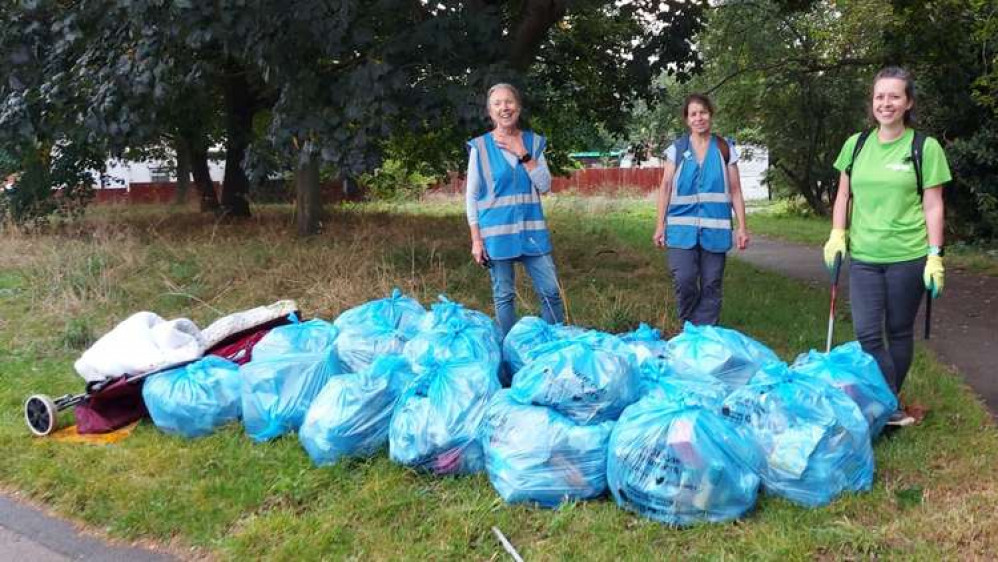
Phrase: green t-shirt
(888, 222)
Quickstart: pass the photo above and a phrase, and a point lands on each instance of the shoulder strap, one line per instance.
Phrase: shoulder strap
(855, 150)
(682, 144)
(722, 145)
(917, 147)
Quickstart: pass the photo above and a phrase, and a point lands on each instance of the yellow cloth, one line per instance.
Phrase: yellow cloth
(71, 435)
(934, 275)
(836, 245)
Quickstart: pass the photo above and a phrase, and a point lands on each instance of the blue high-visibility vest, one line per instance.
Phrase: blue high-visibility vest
(510, 217)
(700, 207)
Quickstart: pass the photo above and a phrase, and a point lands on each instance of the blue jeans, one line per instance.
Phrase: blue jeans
(884, 299)
(697, 275)
(545, 278)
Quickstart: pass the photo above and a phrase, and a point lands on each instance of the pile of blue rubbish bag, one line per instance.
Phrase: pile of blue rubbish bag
(681, 431)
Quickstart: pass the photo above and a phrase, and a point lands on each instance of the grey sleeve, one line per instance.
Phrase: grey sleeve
(472, 187)
(541, 175)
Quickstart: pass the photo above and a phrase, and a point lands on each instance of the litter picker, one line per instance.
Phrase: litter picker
(831, 309)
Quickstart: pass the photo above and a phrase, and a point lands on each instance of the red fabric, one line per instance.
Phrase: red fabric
(238, 348)
(113, 407)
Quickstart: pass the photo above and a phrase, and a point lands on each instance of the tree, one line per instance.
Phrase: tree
(949, 45)
(798, 76)
(38, 99)
(337, 81)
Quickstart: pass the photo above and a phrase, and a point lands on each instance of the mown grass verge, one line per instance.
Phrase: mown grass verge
(936, 491)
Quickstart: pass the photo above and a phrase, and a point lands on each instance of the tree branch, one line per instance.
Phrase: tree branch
(536, 18)
(808, 66)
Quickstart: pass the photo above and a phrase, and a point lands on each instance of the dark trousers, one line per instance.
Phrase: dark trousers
(697, 275)
(884, 299)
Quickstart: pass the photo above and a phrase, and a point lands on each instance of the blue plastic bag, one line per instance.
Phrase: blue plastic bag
(446, 312)
(280, 384)
(534, 454)
(815, 440)
(451, 333)
(350, 417)
(725, 354)
(855, 372)
(314, 336)
(436, 421)
(647, 343)
(682, 388)
(531, 332)
(589, 378)
(193, 400)
(379, 327)
(681, 465)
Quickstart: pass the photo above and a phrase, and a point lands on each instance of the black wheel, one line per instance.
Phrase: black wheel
(40, 414)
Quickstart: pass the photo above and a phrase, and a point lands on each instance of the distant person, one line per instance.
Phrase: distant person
(700, 187)
(506, 175)
(896, 232)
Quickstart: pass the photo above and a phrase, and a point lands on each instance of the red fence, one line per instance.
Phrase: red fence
(589, 181)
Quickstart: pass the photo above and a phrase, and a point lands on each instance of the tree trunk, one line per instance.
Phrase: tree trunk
(239, 109)
(202, 177)
(309, 202)
(183, 171)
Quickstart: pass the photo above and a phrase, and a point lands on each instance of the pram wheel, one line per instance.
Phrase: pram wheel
(40, 414)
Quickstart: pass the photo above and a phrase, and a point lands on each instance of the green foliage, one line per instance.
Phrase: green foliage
(794, 206)
(795, 81)
(49, 185)
(974, 162)
(947, 46)
(398, 179)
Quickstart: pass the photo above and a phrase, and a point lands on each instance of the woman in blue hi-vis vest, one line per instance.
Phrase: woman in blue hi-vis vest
(700, 186)
(506, 175)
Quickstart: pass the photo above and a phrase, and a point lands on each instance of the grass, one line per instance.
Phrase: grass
(936, 491)
(980, 259)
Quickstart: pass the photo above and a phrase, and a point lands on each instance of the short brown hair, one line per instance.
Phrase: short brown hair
(701, 99)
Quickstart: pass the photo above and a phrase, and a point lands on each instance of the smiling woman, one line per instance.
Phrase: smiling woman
(506, 175)
(890, 190)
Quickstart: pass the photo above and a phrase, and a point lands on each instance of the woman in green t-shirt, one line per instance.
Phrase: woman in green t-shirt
(896, 234)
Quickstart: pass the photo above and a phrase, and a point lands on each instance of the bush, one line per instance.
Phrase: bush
(398, 180)
(46, 187)
(793, 206)
(973, 196)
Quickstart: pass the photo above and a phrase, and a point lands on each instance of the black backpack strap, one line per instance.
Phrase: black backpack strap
(860, 141)
(855, 150)
(917, 149)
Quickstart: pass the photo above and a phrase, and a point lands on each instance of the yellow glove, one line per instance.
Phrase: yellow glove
(836, 245)
(934, 275)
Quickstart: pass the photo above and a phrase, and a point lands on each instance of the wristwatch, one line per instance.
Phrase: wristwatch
(526, 157)
(937, 251)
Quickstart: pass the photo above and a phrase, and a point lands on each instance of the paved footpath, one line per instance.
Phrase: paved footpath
(964, 332)
(28, 535)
